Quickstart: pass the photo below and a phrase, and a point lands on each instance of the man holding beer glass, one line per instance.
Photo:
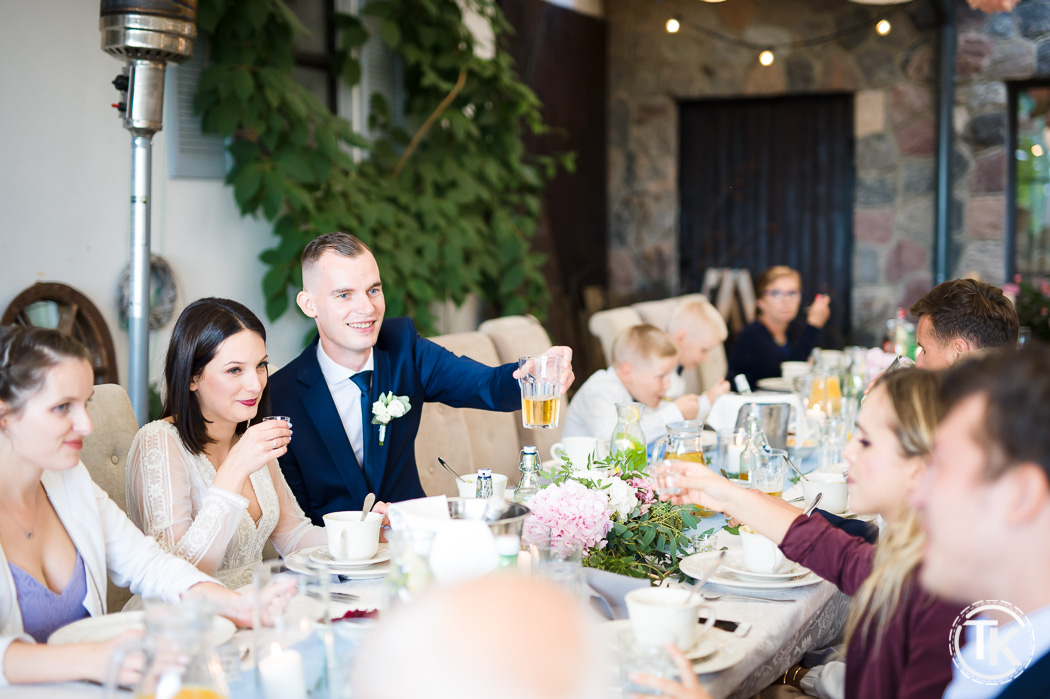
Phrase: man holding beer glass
(343, 449)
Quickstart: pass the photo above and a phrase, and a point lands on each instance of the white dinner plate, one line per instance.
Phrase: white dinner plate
(734, 563)
(321, 554)
(694, 566)
(733, 651)
(298, 562)
(102, 628)
(776, 383)
(704, 649)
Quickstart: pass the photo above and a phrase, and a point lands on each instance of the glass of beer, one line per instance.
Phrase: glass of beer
(540, 391)
(770, 473)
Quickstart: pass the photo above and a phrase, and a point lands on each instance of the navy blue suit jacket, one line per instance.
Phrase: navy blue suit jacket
(320, 465)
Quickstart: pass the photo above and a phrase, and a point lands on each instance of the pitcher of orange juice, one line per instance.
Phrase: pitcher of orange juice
(179, 659)
(682, 443)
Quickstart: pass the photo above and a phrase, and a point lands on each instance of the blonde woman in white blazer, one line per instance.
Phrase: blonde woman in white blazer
(59, 532)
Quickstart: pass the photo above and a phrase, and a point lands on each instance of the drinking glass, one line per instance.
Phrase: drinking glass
(730, 446)
(832, 443)
(803, 386)
(768, 476)
(540, 391)
(643, 659)
(560, 562)
(410, 571)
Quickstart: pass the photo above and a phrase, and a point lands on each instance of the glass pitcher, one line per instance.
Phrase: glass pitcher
(180, 663)
(627, 436)
(682, 443)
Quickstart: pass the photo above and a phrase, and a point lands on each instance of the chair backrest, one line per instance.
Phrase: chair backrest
(514, 336)
(105, 454)
(467, 439)
(606, 325)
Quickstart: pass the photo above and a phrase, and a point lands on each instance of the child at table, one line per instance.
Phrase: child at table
(643, 360)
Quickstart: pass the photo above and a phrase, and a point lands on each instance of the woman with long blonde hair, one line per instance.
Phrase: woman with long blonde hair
(896, 633)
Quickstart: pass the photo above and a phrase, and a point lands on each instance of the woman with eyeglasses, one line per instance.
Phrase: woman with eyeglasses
(764, 344)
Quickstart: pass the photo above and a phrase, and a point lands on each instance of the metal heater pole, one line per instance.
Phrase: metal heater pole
(138, 309)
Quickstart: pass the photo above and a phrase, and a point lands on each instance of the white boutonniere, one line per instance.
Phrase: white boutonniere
(386, 409)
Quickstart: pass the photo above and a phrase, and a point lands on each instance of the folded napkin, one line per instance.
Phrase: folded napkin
(610, 588)
(462, 549)
(725, 410)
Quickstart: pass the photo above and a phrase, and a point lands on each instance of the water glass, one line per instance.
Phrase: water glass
(643, 659)
(540, 391)
(730, 446)
(768, 476)
(560, 562)
(410, 571)
(832, 443)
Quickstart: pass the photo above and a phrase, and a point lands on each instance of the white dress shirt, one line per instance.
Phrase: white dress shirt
(962, 687)
(592, 411)
(347, 397)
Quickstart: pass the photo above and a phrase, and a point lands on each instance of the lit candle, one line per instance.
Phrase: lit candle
(282, 674)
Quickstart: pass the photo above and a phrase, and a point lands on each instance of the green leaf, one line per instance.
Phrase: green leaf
(276, 306)
(273, 281)
(295, 166)
(390, 32)
(379, 9)
(246, 185)
(351, 70)
(243, 85)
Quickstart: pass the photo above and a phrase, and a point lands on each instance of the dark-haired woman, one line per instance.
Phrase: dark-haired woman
(203, 480)
(764, 344)
(59, 532)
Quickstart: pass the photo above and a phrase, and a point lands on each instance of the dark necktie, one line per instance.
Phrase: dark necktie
(363, 379)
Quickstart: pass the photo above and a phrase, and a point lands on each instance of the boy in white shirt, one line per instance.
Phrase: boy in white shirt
(643, 360)
(696, 328)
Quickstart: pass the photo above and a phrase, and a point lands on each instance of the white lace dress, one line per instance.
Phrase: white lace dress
(171, 498)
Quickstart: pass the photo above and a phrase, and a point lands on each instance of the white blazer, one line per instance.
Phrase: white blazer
(106, 540)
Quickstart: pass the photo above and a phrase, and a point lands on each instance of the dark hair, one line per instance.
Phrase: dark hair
(26, 355)
(1015, 385)
(342, 244)
(972, 310)
(200, 329)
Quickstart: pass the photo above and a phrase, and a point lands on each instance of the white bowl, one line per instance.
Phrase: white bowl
(836, 493)
(790, 370)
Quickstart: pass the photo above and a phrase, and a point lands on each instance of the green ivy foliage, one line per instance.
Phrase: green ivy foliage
(447, 216)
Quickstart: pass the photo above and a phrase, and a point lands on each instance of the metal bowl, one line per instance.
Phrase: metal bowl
(507, 521)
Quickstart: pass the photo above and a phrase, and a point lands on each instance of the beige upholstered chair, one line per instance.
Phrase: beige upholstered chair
(514, 336)
(467, 439)
(106, 452)
(606, 325)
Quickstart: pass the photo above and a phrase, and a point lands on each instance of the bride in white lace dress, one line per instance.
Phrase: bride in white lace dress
(201, 481)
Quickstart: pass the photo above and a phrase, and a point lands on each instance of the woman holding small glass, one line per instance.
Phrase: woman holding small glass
(896, 632)
(203, 481)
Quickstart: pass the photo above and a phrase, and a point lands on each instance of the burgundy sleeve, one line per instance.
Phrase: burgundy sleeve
(928, 666)
(831, 553)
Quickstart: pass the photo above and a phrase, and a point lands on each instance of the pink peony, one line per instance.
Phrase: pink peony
(646, 492)
(573, 512)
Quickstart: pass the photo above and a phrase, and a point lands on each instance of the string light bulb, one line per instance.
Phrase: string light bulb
(883, 27)
(1037, 150)
(673, 26)
(766, 57)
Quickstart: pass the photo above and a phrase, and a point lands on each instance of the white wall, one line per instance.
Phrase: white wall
(65, 182)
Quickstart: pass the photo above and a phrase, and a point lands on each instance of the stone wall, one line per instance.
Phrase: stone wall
(893, 78)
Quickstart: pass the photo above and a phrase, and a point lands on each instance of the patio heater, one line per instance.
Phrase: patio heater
(146, 35)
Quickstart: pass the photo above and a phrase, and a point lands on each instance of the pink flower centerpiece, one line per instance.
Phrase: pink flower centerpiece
(573, 512)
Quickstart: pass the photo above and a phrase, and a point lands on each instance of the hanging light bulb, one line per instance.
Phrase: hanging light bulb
(766, 57)
(1037, 150)
(673, 26)
(883, 27)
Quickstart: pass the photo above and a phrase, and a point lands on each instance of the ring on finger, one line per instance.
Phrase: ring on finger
(274, 443)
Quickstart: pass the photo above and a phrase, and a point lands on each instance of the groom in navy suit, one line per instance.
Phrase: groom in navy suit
(337, 456)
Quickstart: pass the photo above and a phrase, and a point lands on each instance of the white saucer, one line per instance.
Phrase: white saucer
(299, 562)
(321, 554)
(703, 649)
(777, 384)
(733, 651)
(734, 563)
(696, 565)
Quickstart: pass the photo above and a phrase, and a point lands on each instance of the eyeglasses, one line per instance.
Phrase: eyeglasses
(776, 294)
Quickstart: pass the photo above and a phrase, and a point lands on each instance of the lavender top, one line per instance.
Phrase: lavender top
(43, 611)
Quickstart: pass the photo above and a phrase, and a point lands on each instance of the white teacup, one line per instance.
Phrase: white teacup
(578, 449)
(659, 615)
(350, 538)
(833, 485)
(790, 370)
(761, 555)
(470, 488)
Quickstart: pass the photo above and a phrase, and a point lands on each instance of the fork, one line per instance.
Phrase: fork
(713, 598)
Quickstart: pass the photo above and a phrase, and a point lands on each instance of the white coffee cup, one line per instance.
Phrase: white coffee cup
(659, 615)
(761, 555)
(578, 449)
(833, 485)
(350, 538)
(470, 488)
(790, 370)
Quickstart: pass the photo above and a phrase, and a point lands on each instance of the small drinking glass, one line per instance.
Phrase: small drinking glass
(702, 542)
(279, 417)
(560, 562)
(832, 443)
(540, 391)
(770, 473)
(639, 658)
(666, 479)
(730, 446)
